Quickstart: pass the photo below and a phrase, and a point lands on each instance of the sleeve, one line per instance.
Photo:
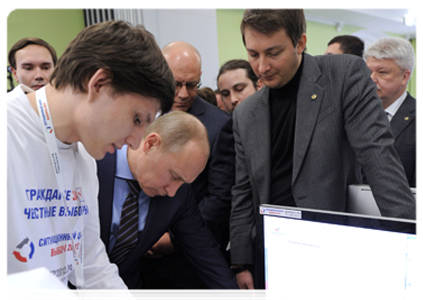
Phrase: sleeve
(369, 134)
(98, 272)
(215, 205)
(415, 182)
(242, 222)
(200, 247)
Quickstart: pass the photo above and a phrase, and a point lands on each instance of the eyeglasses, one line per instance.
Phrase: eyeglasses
(192, 86)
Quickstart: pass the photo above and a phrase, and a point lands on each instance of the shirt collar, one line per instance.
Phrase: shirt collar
(393, 108)
(122, 167)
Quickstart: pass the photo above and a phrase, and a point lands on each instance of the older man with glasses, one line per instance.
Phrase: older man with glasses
(212, 188)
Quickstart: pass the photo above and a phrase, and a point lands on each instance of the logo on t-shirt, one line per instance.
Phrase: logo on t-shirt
(49, 129)
(25, 250)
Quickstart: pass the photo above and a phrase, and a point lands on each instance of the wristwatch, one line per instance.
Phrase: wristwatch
(238, 268)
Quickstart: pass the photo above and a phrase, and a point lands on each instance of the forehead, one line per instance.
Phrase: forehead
(146, 107)
(257, 41)
(374, 63)
(33, 53)
(184, 65)
(232, 77)
(334, 48)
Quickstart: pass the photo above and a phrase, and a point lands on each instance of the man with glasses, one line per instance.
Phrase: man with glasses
(212, 188)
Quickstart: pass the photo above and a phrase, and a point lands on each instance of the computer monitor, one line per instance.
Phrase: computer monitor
(314, 254)
(361, 200)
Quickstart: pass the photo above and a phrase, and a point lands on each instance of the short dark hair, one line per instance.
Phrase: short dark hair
(349, 44)
(207, 94)
(235, 64)
(22, 43)
(269, 21)
(129, 53)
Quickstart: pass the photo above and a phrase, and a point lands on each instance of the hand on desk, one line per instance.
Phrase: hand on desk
(245, 280)
(163, 247)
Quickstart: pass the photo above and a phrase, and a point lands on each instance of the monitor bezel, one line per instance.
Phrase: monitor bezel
(340, 218)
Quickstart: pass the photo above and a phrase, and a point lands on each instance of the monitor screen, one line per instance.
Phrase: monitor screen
(313, 253)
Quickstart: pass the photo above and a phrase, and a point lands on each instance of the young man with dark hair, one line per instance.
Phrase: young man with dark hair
(345, 44)
(237, 80)
(107, 88)
(31, 61)
(298, 139)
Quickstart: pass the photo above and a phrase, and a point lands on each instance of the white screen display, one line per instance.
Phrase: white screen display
(305, 258)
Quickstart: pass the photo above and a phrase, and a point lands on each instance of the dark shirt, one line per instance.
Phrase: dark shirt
(283, 104)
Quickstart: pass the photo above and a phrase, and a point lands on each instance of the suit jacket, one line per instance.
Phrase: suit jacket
(181, 215)
(403, 127)
(339, 120)
(212, 188)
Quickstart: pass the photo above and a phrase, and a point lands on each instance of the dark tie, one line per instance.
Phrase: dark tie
(128, 227)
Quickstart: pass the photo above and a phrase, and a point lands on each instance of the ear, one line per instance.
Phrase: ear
(301, 43)
(95, 84)
(405, 77)
(14, 74)
(152, 142)
(259, 84)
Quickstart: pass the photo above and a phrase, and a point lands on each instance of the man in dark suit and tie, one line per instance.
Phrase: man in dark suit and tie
(212, 188)
(298, 139)
(391, 61)
(173, 151)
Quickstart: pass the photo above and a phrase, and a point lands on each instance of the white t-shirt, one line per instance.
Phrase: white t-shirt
(40, 284)
(16, 92)
(40, 227)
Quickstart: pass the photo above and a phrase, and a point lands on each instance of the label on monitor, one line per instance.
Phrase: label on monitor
(294, 214)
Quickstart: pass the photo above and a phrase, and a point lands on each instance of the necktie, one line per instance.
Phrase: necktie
(128, 227)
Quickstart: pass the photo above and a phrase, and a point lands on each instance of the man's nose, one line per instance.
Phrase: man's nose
(172, 188)
(183, 92)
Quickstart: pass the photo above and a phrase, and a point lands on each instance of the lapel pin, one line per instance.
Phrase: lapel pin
(314, 96)
(406, 118)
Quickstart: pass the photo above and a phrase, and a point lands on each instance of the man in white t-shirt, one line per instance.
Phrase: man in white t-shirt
(107, 87)
(31, 61)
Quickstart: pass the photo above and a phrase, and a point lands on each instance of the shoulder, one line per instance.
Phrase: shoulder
(334, 59)
(410, 99)
(409, 104)
(212, 110)
(340, 63)
(252, 105)
(213, 118)
(19, 113)
(15, 93)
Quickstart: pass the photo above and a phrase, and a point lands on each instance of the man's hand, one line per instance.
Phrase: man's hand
(245, 280)
(163, 247)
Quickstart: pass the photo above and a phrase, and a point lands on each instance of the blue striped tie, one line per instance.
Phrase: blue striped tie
(128, 227)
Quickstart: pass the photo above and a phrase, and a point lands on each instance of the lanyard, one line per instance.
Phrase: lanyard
(46, 122)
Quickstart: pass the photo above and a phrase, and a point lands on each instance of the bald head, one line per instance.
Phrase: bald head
(180, 51)
(185, 62)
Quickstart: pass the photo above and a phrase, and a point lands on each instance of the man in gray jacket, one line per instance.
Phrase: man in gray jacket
(298, 139)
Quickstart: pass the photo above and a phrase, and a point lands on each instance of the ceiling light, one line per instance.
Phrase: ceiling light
(410, 19)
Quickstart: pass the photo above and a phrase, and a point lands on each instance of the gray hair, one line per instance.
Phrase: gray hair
(398, 49)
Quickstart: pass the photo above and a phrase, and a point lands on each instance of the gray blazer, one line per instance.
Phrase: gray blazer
(340, 120)
(403, 127)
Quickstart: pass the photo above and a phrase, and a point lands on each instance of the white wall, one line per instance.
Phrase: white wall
(195, 26)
